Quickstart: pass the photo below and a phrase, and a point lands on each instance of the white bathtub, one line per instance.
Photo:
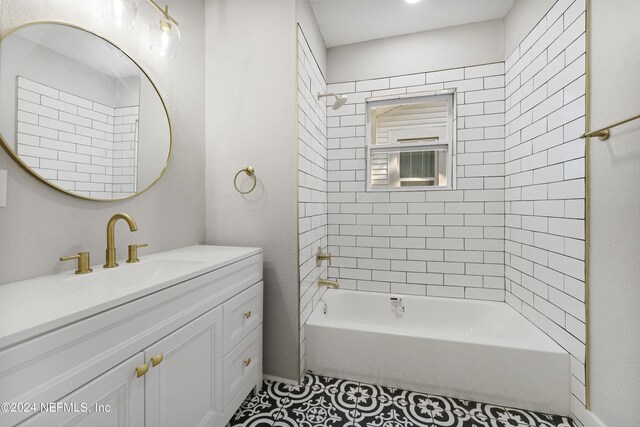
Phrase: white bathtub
(473, 350)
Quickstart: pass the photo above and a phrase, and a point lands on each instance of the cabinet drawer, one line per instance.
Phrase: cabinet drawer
(241, 363)
(242, 314)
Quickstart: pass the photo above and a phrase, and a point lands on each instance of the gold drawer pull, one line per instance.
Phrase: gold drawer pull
(247, 314)
(247, 362)
(141, 370)
(156, 360)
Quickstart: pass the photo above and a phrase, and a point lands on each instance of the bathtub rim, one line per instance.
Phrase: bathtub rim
(318, 319)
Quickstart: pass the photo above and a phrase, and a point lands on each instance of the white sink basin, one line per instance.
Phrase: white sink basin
(42, 304)
(137, 274)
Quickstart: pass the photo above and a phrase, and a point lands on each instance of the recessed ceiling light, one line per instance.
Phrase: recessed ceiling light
(412, 1)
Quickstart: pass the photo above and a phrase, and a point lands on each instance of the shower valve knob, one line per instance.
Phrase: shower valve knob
(321, 256)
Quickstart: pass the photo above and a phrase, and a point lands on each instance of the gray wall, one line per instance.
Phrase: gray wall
(40, 224)
(464, 45)
(614, 168)
(250, 121)
(521, 19)
(307, 21)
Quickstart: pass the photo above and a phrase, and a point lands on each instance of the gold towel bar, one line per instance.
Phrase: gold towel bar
(250, 172)
(603, 134)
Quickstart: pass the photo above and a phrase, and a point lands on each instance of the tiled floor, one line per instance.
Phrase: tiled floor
(323, 401)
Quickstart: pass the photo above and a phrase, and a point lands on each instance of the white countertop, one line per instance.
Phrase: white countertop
(33, 307)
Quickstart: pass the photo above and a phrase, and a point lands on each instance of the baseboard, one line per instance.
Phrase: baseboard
(280, 380)
(592, 421)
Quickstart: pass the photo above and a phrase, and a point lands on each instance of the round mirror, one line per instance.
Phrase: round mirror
(79, 114)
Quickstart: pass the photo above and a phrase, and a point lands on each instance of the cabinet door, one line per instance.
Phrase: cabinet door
(114, 399)
(185, 388)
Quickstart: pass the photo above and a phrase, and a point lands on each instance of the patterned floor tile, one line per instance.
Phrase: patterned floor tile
(259, 410)
(508, 422)
(261, 420)
(406, 398)
(390, 414)
(445, 412)
(479, 411)
(382, 393)
(539, 419)
(316, 409)
(332, 402)
(315, 382)
(329, 384)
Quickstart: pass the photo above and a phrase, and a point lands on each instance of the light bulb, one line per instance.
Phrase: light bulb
(121, 12)
(118, 9)
(165, 37)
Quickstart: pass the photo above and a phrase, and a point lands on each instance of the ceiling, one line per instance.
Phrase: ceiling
(82, 47)
(352, 21)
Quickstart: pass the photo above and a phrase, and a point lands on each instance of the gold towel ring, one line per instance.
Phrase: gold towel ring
(250, 172)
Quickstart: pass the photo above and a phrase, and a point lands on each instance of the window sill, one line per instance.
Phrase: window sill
(397, 189)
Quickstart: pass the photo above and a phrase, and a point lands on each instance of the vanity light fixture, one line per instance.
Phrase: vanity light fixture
(121, 12)
(165, 33)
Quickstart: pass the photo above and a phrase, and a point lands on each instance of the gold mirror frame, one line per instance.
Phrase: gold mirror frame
(26, 167)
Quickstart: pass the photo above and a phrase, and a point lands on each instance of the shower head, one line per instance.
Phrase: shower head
(339, 102)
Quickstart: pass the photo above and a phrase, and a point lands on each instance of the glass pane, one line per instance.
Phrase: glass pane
(417, 122)
(417, 165)
(405, 165)
(408, 141)
(430, 163)
(417, 183)
(404, 169)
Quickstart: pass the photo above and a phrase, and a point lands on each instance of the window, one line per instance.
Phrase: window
(410, 143)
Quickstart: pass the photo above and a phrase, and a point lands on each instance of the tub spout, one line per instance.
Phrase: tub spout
(328, 283)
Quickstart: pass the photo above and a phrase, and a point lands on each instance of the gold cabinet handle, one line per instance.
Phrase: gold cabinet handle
(156, 360)
(142, 369)
(247, 314)
(247, 362)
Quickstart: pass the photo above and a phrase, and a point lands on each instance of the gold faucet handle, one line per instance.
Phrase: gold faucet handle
(133, 252)
(84, 262)
(320, 256)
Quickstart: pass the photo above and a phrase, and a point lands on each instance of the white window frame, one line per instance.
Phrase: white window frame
(396, 147)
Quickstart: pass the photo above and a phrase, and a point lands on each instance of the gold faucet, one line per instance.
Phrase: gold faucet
(328, 283)
(111, 245)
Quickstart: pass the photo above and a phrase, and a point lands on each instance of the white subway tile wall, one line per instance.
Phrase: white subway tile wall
(545, 183)
(512, 230)
(439, 243)
(312, 182)
(75, 143)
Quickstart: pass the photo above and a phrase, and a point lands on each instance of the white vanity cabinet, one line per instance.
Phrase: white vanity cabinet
(197, 344)
(185, 388)
(116, 389)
